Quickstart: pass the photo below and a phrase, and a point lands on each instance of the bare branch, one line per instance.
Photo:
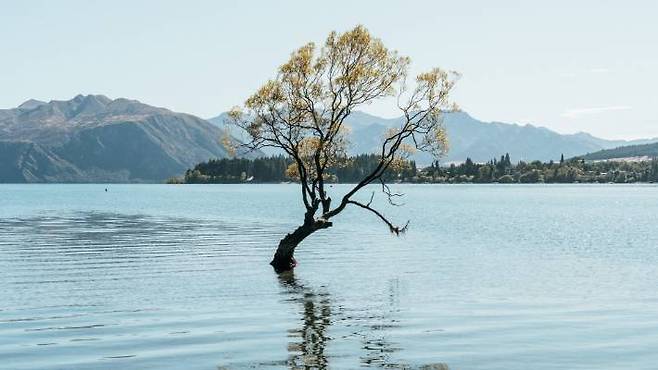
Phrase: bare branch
(389, 194)
(397, 230)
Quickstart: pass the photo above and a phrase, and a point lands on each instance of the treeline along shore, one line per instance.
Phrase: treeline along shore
(497, 170)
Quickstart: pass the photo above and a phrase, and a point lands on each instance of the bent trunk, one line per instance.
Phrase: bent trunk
(284, 257)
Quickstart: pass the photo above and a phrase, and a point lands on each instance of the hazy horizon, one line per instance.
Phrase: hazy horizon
(568, 67)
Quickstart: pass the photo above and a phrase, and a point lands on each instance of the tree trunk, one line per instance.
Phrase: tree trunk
(284, 257)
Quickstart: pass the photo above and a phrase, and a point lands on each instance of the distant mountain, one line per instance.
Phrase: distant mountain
(644, 151)
(221, 122)
(31, 104)
(611, 143)
(478, 140)
(96, 139)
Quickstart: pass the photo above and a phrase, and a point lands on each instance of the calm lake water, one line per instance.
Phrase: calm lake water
(177, 277)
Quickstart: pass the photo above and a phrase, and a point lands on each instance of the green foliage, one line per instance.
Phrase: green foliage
(353, 169)
(506, 179)
(273, 170)
(531, 177)
(237, 170)
(567, 171)
(175, 180)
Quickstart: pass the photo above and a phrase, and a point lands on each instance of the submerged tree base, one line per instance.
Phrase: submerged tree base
(284, 259)
(303, 112)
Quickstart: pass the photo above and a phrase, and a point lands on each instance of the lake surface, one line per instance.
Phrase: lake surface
(177, 277)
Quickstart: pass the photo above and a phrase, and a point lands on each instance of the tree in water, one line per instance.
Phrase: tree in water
(303, 109)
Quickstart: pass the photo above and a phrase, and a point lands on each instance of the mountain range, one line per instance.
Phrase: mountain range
(97, 139)
(478, 140)
(629, 152)
(94, 138)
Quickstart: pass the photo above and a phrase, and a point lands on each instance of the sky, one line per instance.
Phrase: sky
(570, 66)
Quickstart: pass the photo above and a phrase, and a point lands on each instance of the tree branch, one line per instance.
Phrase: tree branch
(394, 229)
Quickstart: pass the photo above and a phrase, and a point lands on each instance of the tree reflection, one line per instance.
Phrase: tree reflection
(372, 325)
(308, 343)
(377, 323)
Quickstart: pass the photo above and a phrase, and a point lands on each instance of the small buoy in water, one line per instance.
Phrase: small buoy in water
(106, 190)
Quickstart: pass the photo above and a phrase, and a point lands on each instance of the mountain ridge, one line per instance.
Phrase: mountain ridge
(642, 151)
(92, 138)
(481, 141)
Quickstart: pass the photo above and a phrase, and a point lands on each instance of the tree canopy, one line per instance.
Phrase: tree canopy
(302, 112)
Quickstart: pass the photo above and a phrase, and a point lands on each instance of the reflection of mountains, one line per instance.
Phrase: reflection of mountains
(308, 343)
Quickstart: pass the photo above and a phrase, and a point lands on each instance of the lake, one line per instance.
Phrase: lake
(177, 277)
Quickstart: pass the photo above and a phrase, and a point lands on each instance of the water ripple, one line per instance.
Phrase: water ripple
(482, 280)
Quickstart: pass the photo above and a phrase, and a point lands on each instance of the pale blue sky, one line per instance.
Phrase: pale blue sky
(567, 65)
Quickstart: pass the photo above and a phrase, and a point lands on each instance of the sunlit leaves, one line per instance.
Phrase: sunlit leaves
(302, 110)
(228, 143)
(270, 93)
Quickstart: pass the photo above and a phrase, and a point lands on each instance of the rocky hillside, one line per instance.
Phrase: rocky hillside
(96, 139)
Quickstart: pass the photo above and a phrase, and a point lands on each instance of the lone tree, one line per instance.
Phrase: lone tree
(302, 112)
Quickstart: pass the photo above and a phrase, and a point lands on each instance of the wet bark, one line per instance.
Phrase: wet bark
(284, 257)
